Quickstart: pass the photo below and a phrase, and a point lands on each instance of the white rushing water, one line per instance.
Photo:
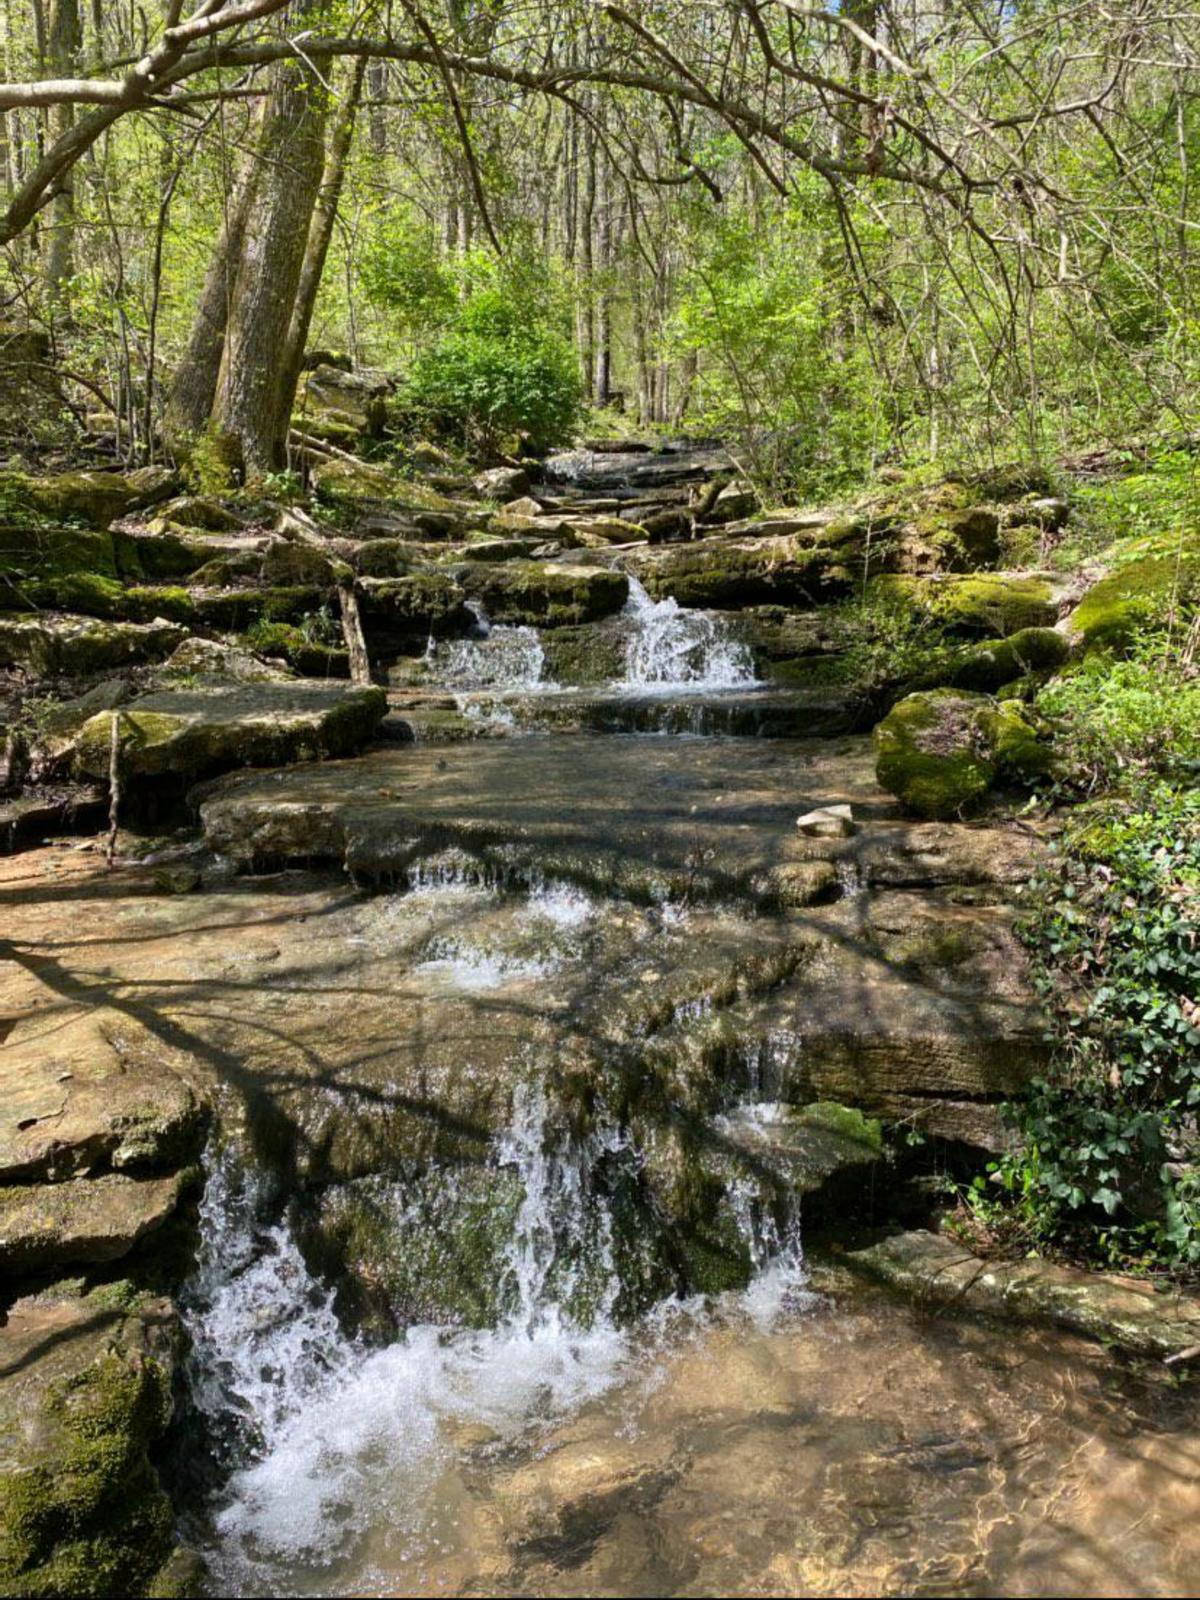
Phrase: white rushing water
(334, 1440)
(496, 656)
(671, 648)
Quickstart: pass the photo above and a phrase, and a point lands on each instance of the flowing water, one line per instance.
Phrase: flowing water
(335, 1447)
(671, 648)
(777, 1441)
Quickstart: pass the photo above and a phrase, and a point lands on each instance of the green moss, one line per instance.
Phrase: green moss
(81, 1509)
(1116, 609)
(540, 593)
(932, 754)
(347, 481)
(1019, 741)
(846, 1123)
(989, 666)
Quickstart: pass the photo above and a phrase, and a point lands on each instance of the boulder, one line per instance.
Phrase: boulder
(214, 725)
(939, 751)
(79, 646)
(334, 403)
(502, 483)
(86, 1387)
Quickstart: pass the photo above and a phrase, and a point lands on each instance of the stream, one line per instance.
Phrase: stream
(587, 1421)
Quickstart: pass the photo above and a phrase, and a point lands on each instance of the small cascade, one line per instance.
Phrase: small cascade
(327, 1435)
(503, 658)
(670, 648)
(323, 1439)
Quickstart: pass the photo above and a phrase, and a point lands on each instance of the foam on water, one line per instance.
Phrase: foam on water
(670, 648)
(334, 1440)
(469, 966)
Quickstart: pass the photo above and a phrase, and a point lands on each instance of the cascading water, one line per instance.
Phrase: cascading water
(332, 1435)
(329, 1440)
(670, 648)
(497, 660)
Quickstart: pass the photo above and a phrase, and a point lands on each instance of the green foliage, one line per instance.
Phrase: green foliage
(1140, 714)
(767, 311)
(502, 372)
(1115, 930)
(404, 272)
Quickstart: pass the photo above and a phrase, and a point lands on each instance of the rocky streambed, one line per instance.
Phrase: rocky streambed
(465, 1143)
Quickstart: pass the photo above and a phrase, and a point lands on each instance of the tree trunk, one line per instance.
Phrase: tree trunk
(248, 413)
(190, 404)
(64, 44)
(319, 236)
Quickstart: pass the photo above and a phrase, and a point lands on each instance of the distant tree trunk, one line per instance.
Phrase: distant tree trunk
(190, 403)
(247, 415)
(377, 82)
(64, 47)
(319, 235)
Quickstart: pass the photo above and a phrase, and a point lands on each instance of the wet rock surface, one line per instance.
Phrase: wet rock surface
(939, 1272)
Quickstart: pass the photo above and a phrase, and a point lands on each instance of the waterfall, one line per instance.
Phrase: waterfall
(328, 1439)
(496, 656)
(329, 1430)
(672, 648)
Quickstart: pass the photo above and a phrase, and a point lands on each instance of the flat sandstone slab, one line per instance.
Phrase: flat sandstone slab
(213, 725)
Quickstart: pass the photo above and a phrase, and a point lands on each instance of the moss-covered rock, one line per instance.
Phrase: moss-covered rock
(591, 654)
(388, 558)
(85, 1395)
(991, 604)
(939, 751)
(1139, 595)
(743, 571)
(81, 646)
(349, 481)
(416, 606)
(94, 497)
(440, 1257)
(544, 593)
(933, 754)
(989, 666)
(189, 732)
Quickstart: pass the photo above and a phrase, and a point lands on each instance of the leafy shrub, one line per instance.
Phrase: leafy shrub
(1116, 933)
(501, 371)
(1139, 714)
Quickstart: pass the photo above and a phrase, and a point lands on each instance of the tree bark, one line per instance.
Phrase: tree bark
(319, 235)
(64, 45)
(194, 388)
(248, 413)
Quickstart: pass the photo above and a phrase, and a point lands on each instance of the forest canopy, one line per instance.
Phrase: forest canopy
(840, 236)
